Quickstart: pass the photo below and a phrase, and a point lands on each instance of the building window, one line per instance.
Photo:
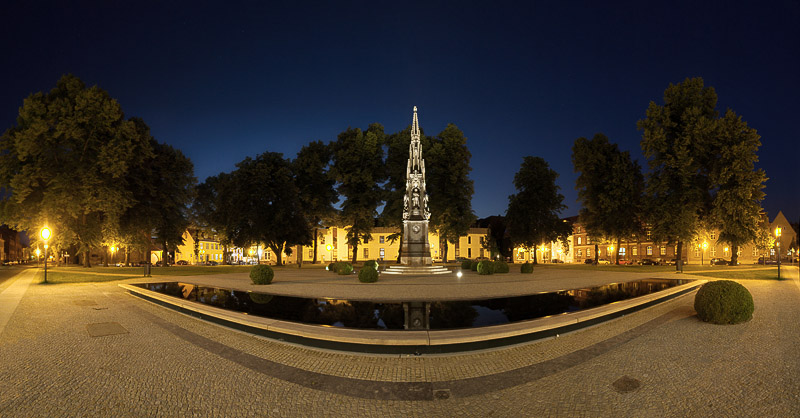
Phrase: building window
(662, 250)
(635, 251)
(697, 252)
(469, 252)
(267, 255)
(713, 235)
(588, 240)
(366, 239)
(201, 245)
(580, 253)
(622, 251)
(366, 252)
(458, 252)
(755, 251)
(771, 251)
(578, 230)
(714, 252)
(383, 253)
(469, 240)
(520, 255)
(381, 239)
(322, 239)
(580, 241)
(649, 250)
(311, 253)
(588, 253)
(648, 234)
(725, 252)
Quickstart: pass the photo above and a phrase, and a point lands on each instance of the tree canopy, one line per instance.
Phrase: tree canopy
(74, 162)
(315, 185)
(533, 212)
(609, 187)
(359, 171)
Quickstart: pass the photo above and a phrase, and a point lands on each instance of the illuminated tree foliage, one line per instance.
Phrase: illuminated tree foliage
(533, 212)
(315, 186)
(609, 187)
(359, 170)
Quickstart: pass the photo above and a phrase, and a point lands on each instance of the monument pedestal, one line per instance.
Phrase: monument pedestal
(416, 250)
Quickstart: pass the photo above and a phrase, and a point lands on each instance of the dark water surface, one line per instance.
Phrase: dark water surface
(394, 315)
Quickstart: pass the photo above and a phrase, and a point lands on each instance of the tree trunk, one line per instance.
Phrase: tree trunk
(316, 238)
(87, 255)
(105, 256)
(734, 254)
(535, 257)
(278, 249)
(299, 256)
(596, 253)
(444, 248)
(127, 256)
(679, 251)
(164, 254)
(616, 255)
(355, 254)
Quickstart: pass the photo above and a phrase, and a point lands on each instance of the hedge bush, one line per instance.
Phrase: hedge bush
(466, 264)
(371, 263)
(344, 268)
(486, 267)
(261, 274)
(501, 267)
(332, 267)
(724, 302)
(474, 266)
(526, 268)
(368, 275)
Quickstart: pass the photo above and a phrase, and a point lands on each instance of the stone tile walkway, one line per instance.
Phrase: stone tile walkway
(661, 361)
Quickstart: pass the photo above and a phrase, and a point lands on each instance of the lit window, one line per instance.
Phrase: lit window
(311, 253)
(383, 253)
(622, 251)
(588, 240)
(635, 251)
(366, 252)
(725, 252)
(713, 235)
(578, 230)
(697, 252)
(662, 250)
(579, 241)
(458, 252)
(755, 251)
(588, 252)
(649, 250)
(713, 252)
(649, 233)
(381, 240)
(580, 253)
(771, 251)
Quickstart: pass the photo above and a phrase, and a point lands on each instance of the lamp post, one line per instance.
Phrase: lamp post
(45, 233)
(37, 257)
(330, 250)
(610, 252)
(703, 256)
(113, 250)
(778, 243)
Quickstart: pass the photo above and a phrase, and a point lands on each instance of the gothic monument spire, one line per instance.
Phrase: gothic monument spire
(415, 249)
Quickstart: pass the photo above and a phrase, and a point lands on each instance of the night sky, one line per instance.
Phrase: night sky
(226, 81)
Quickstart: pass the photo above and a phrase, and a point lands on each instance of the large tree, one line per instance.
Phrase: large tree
(676, 137)
(66, 164)
(736, 185)
(449, 186)
(610, 187)
(533, 212)
(265, 206)
(359, 171)
(315, 185)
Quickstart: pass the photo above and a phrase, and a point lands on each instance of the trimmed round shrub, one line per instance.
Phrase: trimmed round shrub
(466, 265)
(261, 274)
(368, 275)
(526, 268)
(474, 266)
(260, 298)
(344, 268)
(486, 267)
(332, 267)
(724, 302)
(371, 263)
(501, 267)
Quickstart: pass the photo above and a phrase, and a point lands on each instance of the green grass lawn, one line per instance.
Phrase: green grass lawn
(61, 277)
(770, 273)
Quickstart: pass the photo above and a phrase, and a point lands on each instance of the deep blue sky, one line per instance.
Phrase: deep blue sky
(227, 81)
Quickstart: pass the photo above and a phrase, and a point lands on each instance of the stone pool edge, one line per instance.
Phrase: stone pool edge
(412, 342)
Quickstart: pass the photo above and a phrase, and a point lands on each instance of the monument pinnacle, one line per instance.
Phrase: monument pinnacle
(415, 249)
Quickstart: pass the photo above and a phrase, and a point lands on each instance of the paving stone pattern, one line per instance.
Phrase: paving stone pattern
(169, 364)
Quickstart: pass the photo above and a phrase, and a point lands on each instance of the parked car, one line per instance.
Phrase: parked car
(556, 261)
(603, 261)
(589, 261)
(626, 262)
(649, 262)
(182, 263)
(719, 262)
(762, 260)
(211, 263)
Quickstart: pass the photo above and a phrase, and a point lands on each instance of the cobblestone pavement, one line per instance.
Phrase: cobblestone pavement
(151, 361)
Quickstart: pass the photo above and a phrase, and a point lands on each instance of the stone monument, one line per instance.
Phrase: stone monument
(416, 250)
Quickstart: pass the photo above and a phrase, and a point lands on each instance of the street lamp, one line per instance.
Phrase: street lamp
(45, 233)
(778, 243)
(330, 250)
(37, 257)
(113, 249)
(705, 245)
